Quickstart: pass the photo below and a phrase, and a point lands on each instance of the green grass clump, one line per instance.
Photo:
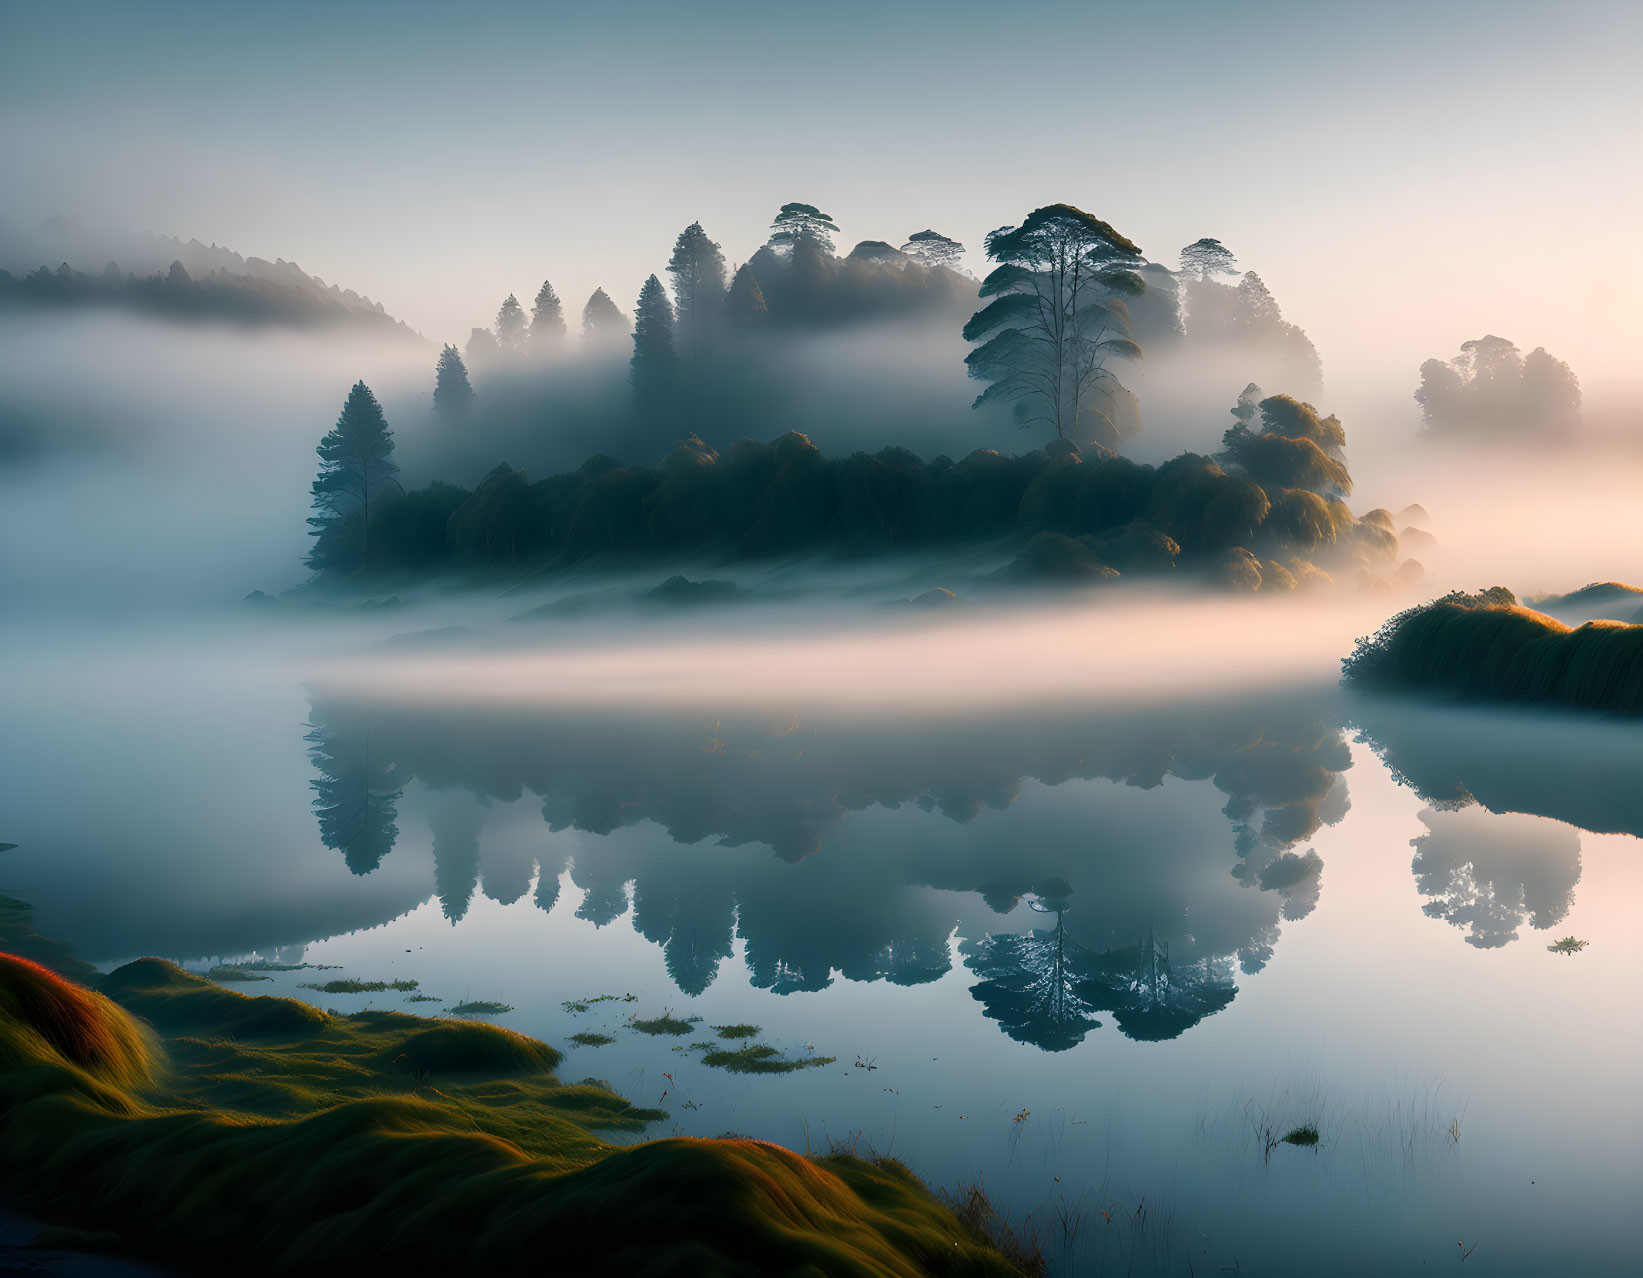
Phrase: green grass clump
(260, 1136)
(588, 1038)
(1568, 945)
(736, 1031)
(663, 1024)
(479, 1007)
(230, 973)
(1487, 647)
(760, 1058)
(1306, 1134)
(423, 998)
(351, 986)
(179, 1002)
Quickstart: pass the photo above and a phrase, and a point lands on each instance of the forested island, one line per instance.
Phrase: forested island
(1068, 302)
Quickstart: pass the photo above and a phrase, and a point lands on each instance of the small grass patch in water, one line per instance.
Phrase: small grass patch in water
(479, 1007)
(1568, 945)
(223, 972)
(576, 1006)
(760, 1058)
(351, 986)
(422, 998)
(736, 1031)
(590, 1039)
(666, 1023)
(1306, 1134)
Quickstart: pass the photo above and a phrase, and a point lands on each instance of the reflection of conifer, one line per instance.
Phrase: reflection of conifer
(356, 796)
(456, 822)
(1037, 985)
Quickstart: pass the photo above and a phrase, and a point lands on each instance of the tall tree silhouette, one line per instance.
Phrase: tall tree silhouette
(798, 222)
(510, 326)
(1055, 320)
(744, 304)
(697, 269)
(356, 473)
(547, 320)
(452, 390)
(654, 368)
(1040, 986)
(602, 322)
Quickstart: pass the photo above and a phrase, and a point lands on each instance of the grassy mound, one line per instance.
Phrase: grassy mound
(1487, 647)
(257, 1139)
(48, 1021)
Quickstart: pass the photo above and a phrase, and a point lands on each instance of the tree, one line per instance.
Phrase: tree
(482, 348)
(1491, 388)
(1551, 394)
(452, 391)
(744, 303)
(510, 326)
(697, 269)
(1040, 986)
(1204, 259)
(796, 222)
(602, 322)
(1056, 317)
(1257, 308)
(356, 472)
(930, 248)
(547, 319)
(655, 365)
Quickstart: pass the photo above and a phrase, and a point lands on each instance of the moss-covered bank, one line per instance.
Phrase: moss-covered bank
(1488, 647)
(167, 1117)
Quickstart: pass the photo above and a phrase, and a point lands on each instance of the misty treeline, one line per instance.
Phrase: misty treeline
(1068, 299)
(1491, 390)
(1268, 512)
(201, 283)
(869, 346)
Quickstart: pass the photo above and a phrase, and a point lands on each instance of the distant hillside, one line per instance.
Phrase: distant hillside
(61, 266)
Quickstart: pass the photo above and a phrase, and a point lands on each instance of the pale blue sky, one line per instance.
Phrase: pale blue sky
(1403, 175)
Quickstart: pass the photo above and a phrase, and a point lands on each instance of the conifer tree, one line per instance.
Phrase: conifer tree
(510, 326)
(547, 319)
(655, 362)
(452, 390)
(356, 473)
(744, 304)
(698, 271)
(601, 320)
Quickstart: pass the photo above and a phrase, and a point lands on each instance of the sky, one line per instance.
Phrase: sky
(1403, 176)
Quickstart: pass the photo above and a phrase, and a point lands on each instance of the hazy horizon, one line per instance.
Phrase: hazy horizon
(438, 161)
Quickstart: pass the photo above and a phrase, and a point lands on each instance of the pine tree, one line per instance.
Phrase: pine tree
(356, 472)
(510, 326)
(698, 270)
(452, 391)
(655, 364)
(744, 305)
(547, 320)
(601, 320)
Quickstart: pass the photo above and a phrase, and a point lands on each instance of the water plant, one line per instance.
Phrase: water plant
(736, 1031)
(352, 986)
(760, 1058)
(588, 1038)
(1568, 945)
(666, 1023)
(479, 1007)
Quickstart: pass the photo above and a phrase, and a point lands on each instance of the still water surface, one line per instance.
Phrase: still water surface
(1090, 953)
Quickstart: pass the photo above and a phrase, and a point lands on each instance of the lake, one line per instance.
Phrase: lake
(1096, 949)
